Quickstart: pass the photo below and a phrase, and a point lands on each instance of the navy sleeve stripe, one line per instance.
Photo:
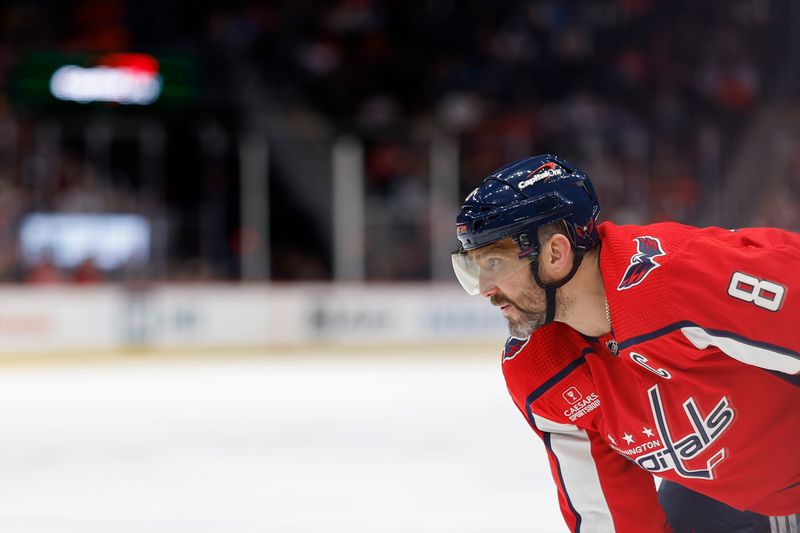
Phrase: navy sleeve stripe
(793, 485)
(540, 390)
(633, 341)
(792, 380)
(546, 438)
(550, 383)
(627, 343)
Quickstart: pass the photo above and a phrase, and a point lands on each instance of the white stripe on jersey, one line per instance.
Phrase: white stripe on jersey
(572, 447)
(783, 524)
(746, 353)
(545, 424)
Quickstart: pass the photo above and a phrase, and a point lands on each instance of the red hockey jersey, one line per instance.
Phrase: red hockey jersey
(699, 382)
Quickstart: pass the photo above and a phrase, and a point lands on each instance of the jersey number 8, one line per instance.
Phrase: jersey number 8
(760, 292)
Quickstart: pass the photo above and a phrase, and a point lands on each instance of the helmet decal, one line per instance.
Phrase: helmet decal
(544, 172)
(584, 231)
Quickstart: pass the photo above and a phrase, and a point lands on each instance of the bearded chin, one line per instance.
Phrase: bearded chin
(524, 326)
(529, 318)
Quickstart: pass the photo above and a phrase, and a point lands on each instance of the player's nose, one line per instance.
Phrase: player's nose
(487, 287)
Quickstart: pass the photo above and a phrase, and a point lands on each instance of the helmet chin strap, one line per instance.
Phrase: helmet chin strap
(550, 288)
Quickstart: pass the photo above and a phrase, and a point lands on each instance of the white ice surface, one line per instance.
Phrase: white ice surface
(300, 443)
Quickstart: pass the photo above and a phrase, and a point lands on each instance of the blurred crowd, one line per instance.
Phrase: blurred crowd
(652, 98)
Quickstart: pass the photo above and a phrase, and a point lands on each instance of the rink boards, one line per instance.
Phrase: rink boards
(235, 316)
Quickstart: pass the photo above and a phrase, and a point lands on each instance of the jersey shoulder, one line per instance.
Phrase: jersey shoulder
(658, 275)
(550, 351)
(746, 280)
(636, 258)
(671, 250)
(549, 377)
(711, 248)
(636, 264)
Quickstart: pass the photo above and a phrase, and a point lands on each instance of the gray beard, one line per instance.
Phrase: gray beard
(529, 319)
(526, 324)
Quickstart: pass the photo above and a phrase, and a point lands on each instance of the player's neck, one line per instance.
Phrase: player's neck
(585, 299)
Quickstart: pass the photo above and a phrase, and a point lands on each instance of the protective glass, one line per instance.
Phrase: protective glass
(485, 267)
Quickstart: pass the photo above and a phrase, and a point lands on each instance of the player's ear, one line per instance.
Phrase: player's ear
(556, 256)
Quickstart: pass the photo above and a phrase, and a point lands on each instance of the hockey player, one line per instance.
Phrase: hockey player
(637, 351)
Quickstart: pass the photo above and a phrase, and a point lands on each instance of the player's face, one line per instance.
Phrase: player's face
(519, 298)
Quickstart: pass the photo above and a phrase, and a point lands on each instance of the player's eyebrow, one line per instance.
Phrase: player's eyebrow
(478, 254)
(491, 248)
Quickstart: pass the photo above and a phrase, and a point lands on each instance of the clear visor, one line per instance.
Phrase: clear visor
(484, 268)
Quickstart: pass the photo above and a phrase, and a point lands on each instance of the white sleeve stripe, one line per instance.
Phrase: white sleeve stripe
(783, 524)
(741, 351)
(545, 424)
(572, 448)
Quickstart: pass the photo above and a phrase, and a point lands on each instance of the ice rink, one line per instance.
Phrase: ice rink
(301, 442)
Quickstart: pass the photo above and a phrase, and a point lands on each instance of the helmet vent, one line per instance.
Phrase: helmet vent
(482, 221)
(548, 204)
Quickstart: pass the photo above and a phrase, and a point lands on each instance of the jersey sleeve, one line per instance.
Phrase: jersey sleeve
(598, 489)
(740, 291)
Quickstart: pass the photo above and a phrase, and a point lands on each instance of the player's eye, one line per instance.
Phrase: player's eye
(494, 263)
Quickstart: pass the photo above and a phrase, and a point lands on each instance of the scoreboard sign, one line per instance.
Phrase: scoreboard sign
(114, 79)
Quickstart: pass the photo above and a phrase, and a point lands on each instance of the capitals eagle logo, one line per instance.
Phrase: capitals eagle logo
(642, 263)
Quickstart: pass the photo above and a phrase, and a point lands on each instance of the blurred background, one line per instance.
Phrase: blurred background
(270, 187)
(333, 139)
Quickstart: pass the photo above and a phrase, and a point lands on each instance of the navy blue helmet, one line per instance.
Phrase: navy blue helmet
(523, 196)
(518, 199)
